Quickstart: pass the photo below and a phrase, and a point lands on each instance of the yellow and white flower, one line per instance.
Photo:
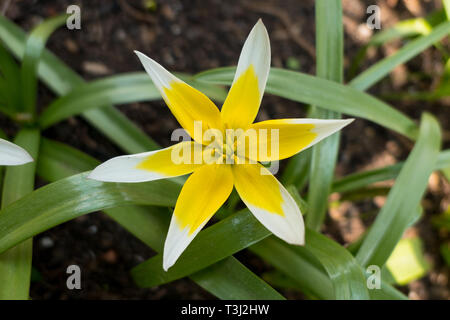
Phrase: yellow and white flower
(13, 155)
(211, 183)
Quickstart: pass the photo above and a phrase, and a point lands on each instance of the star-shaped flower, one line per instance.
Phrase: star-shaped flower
(225, 164)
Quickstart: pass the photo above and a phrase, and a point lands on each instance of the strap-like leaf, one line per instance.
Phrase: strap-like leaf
(330, 53)
(15, 264)
(34, 46)
(404, 197)
(214, 244)
(379, 70)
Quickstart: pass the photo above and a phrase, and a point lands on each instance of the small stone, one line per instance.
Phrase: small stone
(95, 68)
(92, 229)
(71, 46)
(46, 242)
(110, 256)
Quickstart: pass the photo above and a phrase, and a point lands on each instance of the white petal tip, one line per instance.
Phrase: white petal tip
(142, 57)
(139, 54)
(348, 121)
(26, 158)
(345, 122)
(299, 242)
(260, 27)
(295, 239)
(167, 262)
(18, 160)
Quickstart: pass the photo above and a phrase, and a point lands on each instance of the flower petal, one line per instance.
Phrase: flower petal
(186, 103)
(294, 135)
(174, 161)
(11, 154)
(202, 195)
(242, 103)
(270, 202)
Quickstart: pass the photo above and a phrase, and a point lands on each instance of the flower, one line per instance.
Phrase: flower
(12, 155)
(211, 182)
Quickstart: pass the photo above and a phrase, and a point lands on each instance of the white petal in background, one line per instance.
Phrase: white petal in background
(13, 155)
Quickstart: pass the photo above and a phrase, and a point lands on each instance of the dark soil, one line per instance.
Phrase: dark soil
(192, 36)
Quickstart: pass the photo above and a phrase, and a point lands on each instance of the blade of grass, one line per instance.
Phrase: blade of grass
(446, 4)
(403, 198)
(214, 243)
(34, 46)
(379, 70)
(307, 273)
(403, 29)
(11, 76)
(305, 270)
(15, 264)
(329, 42)
(347, 276)
(363, 179)
(133, 87)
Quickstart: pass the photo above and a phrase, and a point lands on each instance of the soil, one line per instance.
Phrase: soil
(192, 36)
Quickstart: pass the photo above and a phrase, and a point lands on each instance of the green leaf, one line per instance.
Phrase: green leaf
(304, 269)
(10, 78)
(133, 87)
(445, 252)
(363, 179)
(119, 129)
(209, 246)
(379, 70)
(326, 94)
(330, 46)
(232, 280)
(446, 4)
(15, 264)
(404, 197)
(329, 40)
(34, 46)
(74, 196)
(214, 243)
(346, 274)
